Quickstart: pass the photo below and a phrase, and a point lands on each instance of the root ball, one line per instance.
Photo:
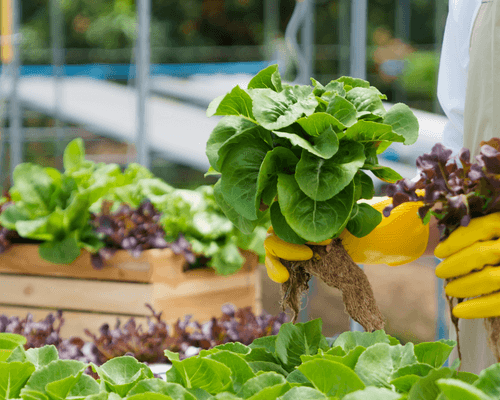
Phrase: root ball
(333, 265)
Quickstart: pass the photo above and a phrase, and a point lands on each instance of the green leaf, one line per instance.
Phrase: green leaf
(155, 385)
(86, 386)
(267, 78)
(315, 124)
(455, 389)
(13, 377)
(33, 185)
(209, 375)
(148, 396)
(379, 361)
(42, 356)
(61, 251)
(313, 220)
(61, 388)
(120, 374)
(266, 366)
(385, 174)
(325, 145)
(426, 388)
(371, 393)
(171, 355)
(74, 155)
(12, 214)
(322, 179)
(417, 369)
(54, 371)
(275, 110)
(259, 383)
(366, 99)
(299, 339)
(364, 184)
(350, 340)
(365, 220)
(239, 185)
(240, 370)
(260, 354)
(227, 128)
(267, 342)
(281, 227)
(237, 102)
(279, 159)
(404, 384)
(38, 229)
(434, 353)
(367, 131)
(403, 122)
(243, 224)
(331, 378)
(489, 381)
(353, 82)
(343, 110)
(9, 341)
(301, 393)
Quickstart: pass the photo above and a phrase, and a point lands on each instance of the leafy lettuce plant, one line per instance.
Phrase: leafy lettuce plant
(196, 216)
(53, 207)
(297, 363)
(301, 151)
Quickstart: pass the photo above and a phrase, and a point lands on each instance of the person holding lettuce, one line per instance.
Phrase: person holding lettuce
(469, 92)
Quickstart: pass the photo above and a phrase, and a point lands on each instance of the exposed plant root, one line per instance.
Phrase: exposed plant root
(492, 326)
(336, 268)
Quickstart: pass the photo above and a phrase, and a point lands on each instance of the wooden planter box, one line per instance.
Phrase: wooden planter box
(91, 297)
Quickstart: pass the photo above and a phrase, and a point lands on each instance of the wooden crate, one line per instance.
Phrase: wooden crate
(91, 297)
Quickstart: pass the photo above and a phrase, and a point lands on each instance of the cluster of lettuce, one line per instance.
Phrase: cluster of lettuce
(55, 208)
(301, 152)
(297, 363)
(455, 190)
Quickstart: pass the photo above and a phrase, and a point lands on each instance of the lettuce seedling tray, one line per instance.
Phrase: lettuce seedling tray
(91, 297)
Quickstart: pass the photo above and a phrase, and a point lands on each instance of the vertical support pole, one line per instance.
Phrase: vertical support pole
(15, 118)
(441, 320)
(440, 15)
(354, 326)
(307, 38)
(343, 32)
(142, 81)
(271, 27)
(56, 33)
(359, 16)
(402, 24)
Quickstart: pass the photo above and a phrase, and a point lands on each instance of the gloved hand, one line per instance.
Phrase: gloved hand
(475, 247)
(398, 239)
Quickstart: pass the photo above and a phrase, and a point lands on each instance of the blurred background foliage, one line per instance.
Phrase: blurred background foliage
(402, 59)
(234, 30)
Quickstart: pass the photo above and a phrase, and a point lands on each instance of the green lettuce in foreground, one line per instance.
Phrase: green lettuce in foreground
(297, 363)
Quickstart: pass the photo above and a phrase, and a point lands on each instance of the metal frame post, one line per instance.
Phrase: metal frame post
(15, 117)
(271, 27)
(142, 80)
(359, 15)
(56, 33)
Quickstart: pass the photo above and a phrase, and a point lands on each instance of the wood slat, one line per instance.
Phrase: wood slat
(154, 265)
(120, 297)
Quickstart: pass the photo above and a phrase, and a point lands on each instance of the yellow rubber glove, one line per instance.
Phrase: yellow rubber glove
(470, 254)
(398, 239)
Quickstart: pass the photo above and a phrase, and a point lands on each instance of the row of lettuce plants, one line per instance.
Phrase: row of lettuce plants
(297, 363)
(82, 208)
